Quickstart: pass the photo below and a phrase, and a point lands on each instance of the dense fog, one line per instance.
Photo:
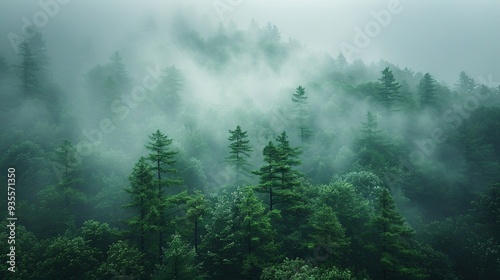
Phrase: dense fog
(250, 139)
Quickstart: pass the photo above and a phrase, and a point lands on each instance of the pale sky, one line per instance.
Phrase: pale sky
(441, 37)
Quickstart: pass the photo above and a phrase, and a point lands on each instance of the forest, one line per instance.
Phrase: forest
(239, 154)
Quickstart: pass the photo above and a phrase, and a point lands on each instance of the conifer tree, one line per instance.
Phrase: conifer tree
(300, 100)
(427, 90)
(240, 150)
(162, 162)
(65, 163)
(179, 262)
(268, 174)
(388, 92)
(142, 195)
(28, 70)
(397, 256)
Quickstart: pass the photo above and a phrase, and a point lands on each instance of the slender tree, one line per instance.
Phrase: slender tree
(65, 163)
(388, 92)
(28, 70)
(465, 84)
(300, 100)
(240, 150)
(397, 256)
(142, 195)
(162, 164)
(196, 209)
(268, 173)
(427, 90)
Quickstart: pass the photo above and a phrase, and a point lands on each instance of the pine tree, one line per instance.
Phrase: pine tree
(388, 92)
(465, 84)
(170, 88)
(162, 164)
(427, 90)
(65, 164)
(397, 256)
(29, 69)
(142, 195)
(268, 174)
(327, 232)
(371, 138)
(179, 262)
(196, 209)
(240, 150)
(300, 100)
(257, 234)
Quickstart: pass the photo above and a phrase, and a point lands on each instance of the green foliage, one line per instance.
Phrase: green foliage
(427, 90)
(465, 84)
(67, 258)
(396, 254)
(123, 262)
(388, 92)
(326, 230)
(240, 150)
(239, 239)
(28, 70)
(301, 108)
(298, 269)
(99, 236)
(179, 262)
(142, 196)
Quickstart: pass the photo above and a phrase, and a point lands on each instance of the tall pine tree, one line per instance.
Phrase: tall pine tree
(240, 150)
(388, 92)
(162, 164)
(300, 100)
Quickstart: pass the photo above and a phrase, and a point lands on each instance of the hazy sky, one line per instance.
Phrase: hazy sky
(441, 37)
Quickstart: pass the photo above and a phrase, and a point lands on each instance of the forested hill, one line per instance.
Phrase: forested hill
(239, 154)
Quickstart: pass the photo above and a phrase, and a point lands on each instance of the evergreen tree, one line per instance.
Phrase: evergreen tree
(300, 100)
(170, 88)
(388, 92)
(28, 70)
(142, 195)
(326, 231)
(179, 262)
(427, 90)
(67, 258)
(123, 262)
(397, 256)
(65, 164)
(371, 138)
(268, 174)
(196, 209)
(162, 164)
(465, 84)
(240, 150)
(288, 177)
(257, 234)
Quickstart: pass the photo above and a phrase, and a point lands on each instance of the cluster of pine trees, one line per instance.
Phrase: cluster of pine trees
(323, 186)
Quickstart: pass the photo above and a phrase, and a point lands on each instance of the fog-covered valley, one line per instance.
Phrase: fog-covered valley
(249, 140)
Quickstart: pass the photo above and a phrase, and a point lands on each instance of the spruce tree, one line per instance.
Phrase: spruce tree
(268, 173)
(393, 244)
(300, 100)
(28, 70)
(65, 164)
(142, 195)
(240, 150)
(427, 90)
(179, 262)
(388, 92)
(162, 162)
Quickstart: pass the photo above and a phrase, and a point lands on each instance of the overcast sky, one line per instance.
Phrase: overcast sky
(441, 37)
